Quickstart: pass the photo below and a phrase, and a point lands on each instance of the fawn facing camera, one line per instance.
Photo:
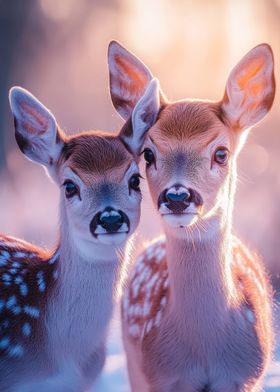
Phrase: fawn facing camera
(55, 305)
(197, 308)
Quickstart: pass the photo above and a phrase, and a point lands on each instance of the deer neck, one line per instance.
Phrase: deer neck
(84, 292)
(201, 284)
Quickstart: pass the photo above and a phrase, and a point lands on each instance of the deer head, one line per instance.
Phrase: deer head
(97, 174)
(191, 149)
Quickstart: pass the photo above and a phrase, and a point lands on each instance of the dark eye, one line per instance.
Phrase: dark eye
(221, 156)
(134, 182)
(149, 156)
(70, 189)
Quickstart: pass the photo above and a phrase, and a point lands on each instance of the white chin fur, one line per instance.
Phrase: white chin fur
(112, 239)
(178, 221)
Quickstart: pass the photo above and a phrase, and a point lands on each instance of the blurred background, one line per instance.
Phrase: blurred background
(58, 51)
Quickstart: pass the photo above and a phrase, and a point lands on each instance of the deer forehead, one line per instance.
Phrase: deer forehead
(189, 124)
(93, 155)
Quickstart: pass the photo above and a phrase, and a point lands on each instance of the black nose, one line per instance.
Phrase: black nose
(180, 195)
(178, 198)
(110, 220)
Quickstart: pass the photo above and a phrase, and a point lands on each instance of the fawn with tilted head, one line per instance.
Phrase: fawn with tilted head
(55, 306)
(196, 312)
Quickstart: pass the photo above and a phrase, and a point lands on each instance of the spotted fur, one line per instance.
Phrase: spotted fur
(146, 297)
(241, 345)
(55, 307)
(27, 276)
(212, 331)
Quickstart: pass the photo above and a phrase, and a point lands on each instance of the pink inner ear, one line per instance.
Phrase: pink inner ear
(37, 123)
(250, 89)
(132, 80)
(129, 69)
(31, 129)
(249, 72)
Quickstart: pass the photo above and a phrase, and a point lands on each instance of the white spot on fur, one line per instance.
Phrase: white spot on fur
(20, 255)
(41, 281)
(5, 255)
(4, 342)
(6, 277)
(149, 326)
(166, 283)
(23, 289)
(163, 301)
(140, 264)
(145, 274)
(146, 308)
(31, 311)
(16, 264)
(11, 302)
(158, 318)
(26, 329)
(151, 282)
(16, 310)
(135, 287)
(16, 351)
(18, 280)
(160, 253)
(148, 280)
(150, 252)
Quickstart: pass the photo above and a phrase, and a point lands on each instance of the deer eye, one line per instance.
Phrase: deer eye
(70, 189)
(149, 156)
(134, 182)
(221, 155)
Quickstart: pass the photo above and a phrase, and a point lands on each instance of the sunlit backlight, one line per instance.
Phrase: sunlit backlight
(145, 24)
(257, 158)
(59, 10)
(241, 27)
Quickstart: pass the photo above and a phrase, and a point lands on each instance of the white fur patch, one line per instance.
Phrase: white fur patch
(146, 298)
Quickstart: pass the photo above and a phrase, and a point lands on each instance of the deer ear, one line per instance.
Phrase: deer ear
(129, 78)
(36, 130)
(250, 88)
(143, 118)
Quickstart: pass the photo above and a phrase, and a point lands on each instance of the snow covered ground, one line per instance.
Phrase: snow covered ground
(114, 377)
